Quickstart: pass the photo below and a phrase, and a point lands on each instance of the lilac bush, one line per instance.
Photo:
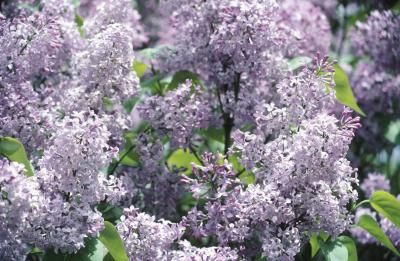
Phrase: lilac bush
(189, 130)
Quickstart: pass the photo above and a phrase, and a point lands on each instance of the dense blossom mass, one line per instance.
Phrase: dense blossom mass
(376, 79)
(218, 147)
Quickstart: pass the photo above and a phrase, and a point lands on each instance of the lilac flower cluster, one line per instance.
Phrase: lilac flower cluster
(304, 182)
(376, 81)
(374, 182)
(313, 31)
(107, 12)
(31, 50)
(148, 239)
(224, 38)
(65, 76)
(54, 84)
(59, 212)
(20, 201)
(378, 38)
(178, 114)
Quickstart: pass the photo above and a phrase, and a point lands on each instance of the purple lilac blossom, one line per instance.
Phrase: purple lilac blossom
(148, 239)
(71, 180)
(376, 81)
(178, 114)
(296, 149)
(299, 171)
(374, 182)
(310, 25)
(145, 238)
(222, 39)
(20, 200)
(279, 200)
(109, 12)
(378, 37)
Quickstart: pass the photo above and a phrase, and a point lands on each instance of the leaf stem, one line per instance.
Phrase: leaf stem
(359, 204)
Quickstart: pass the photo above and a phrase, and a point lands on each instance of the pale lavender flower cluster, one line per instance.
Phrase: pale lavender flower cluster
(20, 201)
(374, 182)
(149, 239)
(378, 37)
(108, 12)
(61, 94)
(31, 50)
(187, 252)
(221, 39)
(178, 114)
(59, 213)
(304, 181)
(299, 97)
(297, 150)
(276, 124)
(310, 25)
(376, 81)
(145, 238)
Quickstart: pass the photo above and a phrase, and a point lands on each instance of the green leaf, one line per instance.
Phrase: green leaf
(79, 21)
(393, 132)
(139, 68)
(344, 93)
(76, 3)
(214, 139)
(107, 104)
(130, 104)
(314, 242)
(298, 62)
(348, 242)
(334, 250)
(113, 242)
(14, 150)
(108, 257)
(394, 161)
(180, 77)
(153, 84)
(387, 205)
(396, 8)
(246, 176)
(94, 250)
(182, 159)
(369, 224)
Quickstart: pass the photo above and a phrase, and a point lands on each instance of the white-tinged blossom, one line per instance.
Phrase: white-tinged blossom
(145, 238)
(71, 180)
(222, 38)
(111, 12)
(20, 200)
